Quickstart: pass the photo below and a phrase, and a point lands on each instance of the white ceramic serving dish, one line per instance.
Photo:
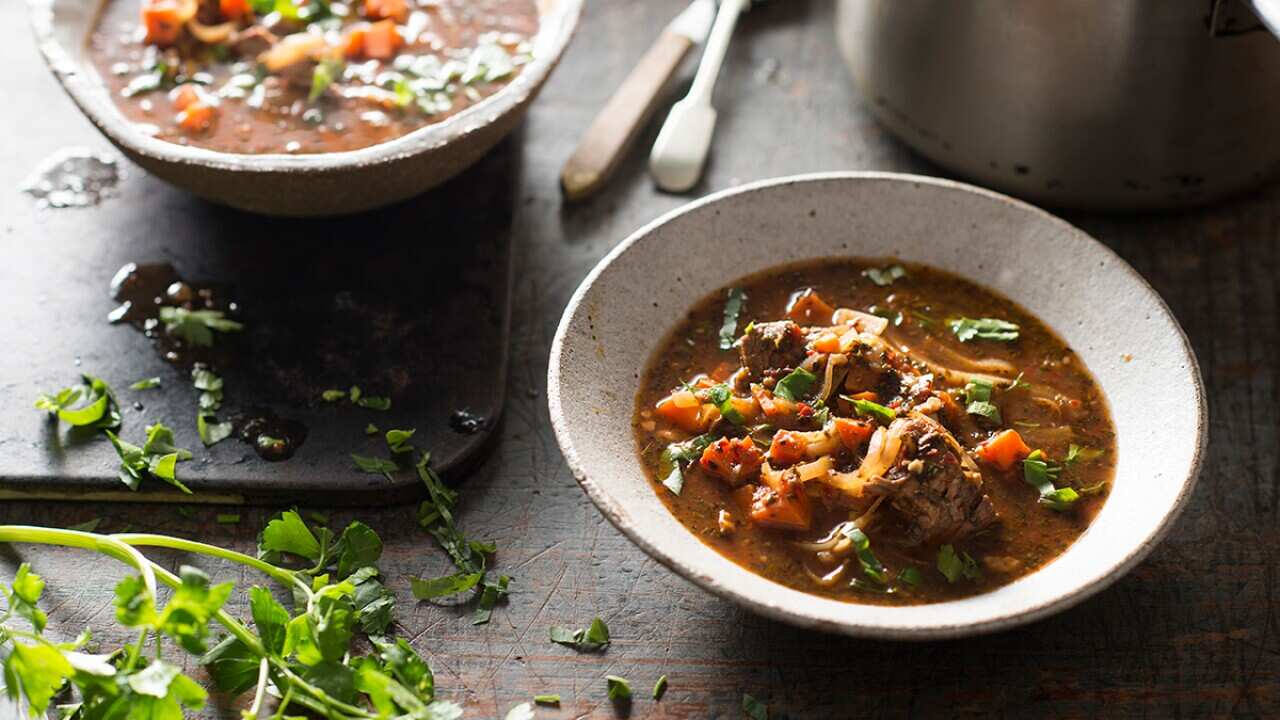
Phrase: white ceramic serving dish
(302, 185)
(1103, 309)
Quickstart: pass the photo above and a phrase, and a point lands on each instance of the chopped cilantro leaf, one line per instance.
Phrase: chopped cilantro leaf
(660, 688)
(146, 384)
(370, 429)
(333, 395)
(910, 576)
(954, 566)
(549, 699)
(374, 403)
(196, 327)
(398, 441)
(1040, 473)
(871, 565)
(884, 277)
(795, 385)
(445, 585)
(373, 465)
(967, 329)
(619, 688)
(589, 639)
(732, 309)
(753, 708)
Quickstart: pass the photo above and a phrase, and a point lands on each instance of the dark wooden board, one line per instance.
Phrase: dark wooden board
(411, 302)
(1191, 632)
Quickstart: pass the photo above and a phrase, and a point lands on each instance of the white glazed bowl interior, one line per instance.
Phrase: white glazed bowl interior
(1092, 298)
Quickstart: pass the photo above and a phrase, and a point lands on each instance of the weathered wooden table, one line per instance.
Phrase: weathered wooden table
(1193, 632)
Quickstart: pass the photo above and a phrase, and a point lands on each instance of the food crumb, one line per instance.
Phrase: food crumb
(1126, 357)
(725, 522)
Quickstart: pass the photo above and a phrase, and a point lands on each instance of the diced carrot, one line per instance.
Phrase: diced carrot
(746, 407)
(386, 9)
(734, 461)
(184, 96)
(381, 40)
(827, 342)
(808, 307)
(865, 395)
(233, 9)
(1004, 450)
(196, 117)
(853, 434)
(772, 405)
(677, 409)
(786, 508)
(351, 44)
(788, 448)
(163, 20)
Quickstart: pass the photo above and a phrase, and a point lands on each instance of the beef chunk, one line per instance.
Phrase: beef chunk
(252, 41)
(936, 492)
(770, 347)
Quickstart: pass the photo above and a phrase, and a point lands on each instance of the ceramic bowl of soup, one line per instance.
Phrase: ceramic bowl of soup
(877, 404)
(304, 107)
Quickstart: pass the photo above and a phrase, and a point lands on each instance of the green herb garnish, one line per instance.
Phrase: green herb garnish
(1077, 453)
(398, 441)
(549, 699)
(99, 409)
(370, 429)
(885, 276)
(732, 309)
(158, 457)
(374, 403)
(1040, 473)
(373, 465)
(322, 76)
(967, 329)
(954, 566)
(678, 455)
(910, 576)
(589, 639)
(619, 688)
(871, 565)
(196, 327)
(795, 385)
(753, 708)
(660, 688)
(333, 395)
(722, 397)
(867, 408)
(977, 397)
(146, 384)
(228, 518)
(444, 585)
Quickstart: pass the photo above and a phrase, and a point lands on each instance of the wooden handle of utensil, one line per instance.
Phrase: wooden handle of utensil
(614, 130)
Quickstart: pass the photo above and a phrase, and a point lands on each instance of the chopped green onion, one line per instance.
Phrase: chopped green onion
(867, 408)
(1039, 473)
(954, 566)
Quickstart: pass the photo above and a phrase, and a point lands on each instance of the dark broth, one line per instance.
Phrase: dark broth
(369, 101)
(1027, 534)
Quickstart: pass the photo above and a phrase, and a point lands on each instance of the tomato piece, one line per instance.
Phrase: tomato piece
(382, 41)
(853, 434)
(386, 9)
(734, 461)
(787, 508)
(234, 9)
(788, 448)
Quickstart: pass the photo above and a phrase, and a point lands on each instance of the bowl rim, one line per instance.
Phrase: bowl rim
(998, 620)
(557, 21)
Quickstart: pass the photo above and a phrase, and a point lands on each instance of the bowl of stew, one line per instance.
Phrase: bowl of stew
(878, 404)
(304, 107)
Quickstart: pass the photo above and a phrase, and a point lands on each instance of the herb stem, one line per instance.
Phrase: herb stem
(105, 544)
(284, 577)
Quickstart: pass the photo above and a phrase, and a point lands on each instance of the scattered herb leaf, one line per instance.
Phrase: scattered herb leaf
(885, 276)
(619, 688)
(954, 566)
(754, 708)
(867, 408)
(967, 329)
(589, 639)
(732, 309)
(146, 384)
(795, 385)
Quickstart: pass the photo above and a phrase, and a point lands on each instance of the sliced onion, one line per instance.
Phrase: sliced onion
(814, 470)
(211, 34)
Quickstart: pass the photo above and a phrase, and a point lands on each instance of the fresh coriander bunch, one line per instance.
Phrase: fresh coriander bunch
(307, 656)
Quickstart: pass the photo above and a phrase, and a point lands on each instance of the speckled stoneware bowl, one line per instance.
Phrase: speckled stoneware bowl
(302, 185)
(1104, 310)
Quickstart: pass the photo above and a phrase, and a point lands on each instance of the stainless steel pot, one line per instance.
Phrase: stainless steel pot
(1113, 104)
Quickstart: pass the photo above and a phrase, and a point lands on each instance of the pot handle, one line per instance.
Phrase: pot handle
(1268, 11)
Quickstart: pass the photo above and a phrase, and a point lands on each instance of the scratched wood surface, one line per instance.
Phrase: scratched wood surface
(1192, 632)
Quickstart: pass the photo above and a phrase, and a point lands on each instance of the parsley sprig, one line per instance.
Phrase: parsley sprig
(307, 657)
